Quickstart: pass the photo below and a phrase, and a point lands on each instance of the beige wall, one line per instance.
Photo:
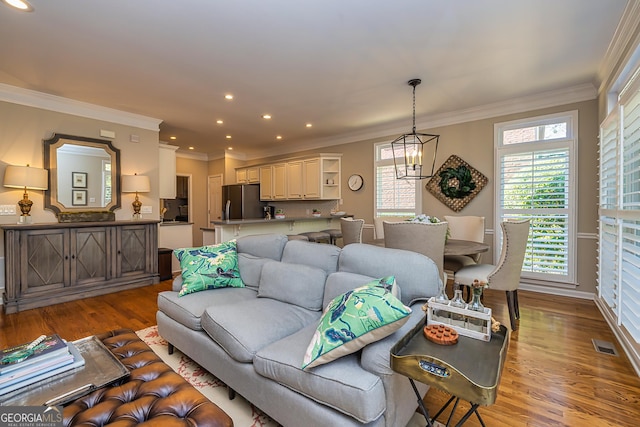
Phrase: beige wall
(22, 130)
(198, 171)
(473, 142)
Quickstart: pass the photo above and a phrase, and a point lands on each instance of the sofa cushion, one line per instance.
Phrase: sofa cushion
(340, 282)
(297, 284)
(416, 275)
(243, 328)
(209, 267)
(263, 245)
(324, 257)
(355, 319)
(250, 267)
(342, 384)
(187, 310)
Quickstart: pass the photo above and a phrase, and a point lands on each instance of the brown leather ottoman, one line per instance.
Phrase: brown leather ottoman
(153, 394)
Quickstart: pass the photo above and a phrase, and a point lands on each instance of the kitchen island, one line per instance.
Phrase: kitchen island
(223, 231)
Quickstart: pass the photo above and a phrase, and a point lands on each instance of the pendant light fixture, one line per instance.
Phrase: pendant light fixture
(414, 154)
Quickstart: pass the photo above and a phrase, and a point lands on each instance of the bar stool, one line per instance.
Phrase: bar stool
(297, 237)
(334, 234)
(317, 236)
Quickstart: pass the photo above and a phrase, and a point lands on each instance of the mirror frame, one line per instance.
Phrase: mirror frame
(50, 162)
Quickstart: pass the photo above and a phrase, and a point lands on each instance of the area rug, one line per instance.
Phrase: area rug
(243, 413)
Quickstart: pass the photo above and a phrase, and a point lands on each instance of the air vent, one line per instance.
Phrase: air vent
(604, 347)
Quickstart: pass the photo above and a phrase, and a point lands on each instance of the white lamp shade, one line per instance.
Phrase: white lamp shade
(135, 183)
(26, 177)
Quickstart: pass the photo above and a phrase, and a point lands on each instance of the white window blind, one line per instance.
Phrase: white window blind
(619, 210)
(535, 175)
(394, 197)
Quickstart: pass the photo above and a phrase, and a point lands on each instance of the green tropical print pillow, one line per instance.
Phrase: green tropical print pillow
(354, 319)
(209, 267)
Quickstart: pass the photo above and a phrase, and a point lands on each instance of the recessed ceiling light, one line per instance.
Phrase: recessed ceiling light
(279, 137)
(230, 148)
(190, 148)
(228, 136)
(219, 122)
(266, 116)
(21, 5)
(173, 137)
(308, 125)
(228, 96)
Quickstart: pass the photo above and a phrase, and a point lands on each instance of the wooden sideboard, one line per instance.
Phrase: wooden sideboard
(51, 263)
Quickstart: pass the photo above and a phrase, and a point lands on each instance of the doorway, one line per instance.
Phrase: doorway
(215, 198)
(178, 209)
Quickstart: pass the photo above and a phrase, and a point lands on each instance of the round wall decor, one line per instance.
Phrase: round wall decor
(355, 182)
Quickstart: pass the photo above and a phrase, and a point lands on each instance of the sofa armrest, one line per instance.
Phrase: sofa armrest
(376, 357)
(176, 285)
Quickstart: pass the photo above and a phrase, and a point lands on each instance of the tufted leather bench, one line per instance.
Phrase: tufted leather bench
(153, 394)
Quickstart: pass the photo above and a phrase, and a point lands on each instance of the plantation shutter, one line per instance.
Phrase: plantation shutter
(536, 185)
(630, 227)
(394, 197)
(608, 256)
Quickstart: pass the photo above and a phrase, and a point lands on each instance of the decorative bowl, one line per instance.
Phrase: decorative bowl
(341, 213)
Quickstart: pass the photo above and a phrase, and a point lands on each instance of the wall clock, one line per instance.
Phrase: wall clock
(355, 182)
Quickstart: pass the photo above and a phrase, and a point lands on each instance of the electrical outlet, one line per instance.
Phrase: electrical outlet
(7, 209)
(146, 209)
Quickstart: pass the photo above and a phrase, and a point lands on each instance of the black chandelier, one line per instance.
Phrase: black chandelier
(413, 152)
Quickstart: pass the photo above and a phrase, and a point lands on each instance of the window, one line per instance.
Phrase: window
(535, 174)
(619, 209)
(394, 197)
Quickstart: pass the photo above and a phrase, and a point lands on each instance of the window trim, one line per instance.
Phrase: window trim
(418, 199)
(570, 141)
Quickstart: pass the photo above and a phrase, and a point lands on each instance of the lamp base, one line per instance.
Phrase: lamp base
(25, 219)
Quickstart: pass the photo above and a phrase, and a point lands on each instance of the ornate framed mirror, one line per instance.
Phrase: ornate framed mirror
(84, 174)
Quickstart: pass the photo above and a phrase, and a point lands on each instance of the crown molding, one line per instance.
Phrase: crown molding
(627, 34)
(191, 155)
(32, 98)
(569, 95)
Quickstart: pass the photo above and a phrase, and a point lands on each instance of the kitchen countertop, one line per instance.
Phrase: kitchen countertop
(169, 223)
(267, 221)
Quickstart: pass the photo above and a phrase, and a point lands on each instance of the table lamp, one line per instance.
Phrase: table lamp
(28, 178)
(136, 184)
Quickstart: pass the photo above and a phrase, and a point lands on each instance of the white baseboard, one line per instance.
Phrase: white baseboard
(628, 346)
(565, 292)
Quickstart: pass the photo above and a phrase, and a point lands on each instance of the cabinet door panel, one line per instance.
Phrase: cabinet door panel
(132, 249)
(90, 255)
(312, 179)
(280, 181)
(44, 263)
(266, 183)
(294, 180)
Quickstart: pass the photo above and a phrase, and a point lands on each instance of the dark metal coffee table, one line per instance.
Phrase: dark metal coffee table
(469, 370)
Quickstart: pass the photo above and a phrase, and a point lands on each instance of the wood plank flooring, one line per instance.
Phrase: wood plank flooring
(552, 376)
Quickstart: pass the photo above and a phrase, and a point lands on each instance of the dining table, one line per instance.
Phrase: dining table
(464, 247)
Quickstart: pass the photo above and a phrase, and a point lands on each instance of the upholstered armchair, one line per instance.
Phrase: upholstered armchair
(505, 275)
(422, 237)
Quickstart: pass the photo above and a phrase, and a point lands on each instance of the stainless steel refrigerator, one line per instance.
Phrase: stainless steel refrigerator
(242, 201)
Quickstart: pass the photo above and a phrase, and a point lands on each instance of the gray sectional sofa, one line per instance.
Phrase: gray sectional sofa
(254, 338)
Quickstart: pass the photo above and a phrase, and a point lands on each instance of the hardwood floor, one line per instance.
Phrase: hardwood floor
(552, 376)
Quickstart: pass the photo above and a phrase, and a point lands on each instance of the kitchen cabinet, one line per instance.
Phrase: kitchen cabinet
(241, 176)
(314, 178)
(266, 183)
(253, 175)
(279, 181)
(51, 263)
(295, 183)
(167, 166)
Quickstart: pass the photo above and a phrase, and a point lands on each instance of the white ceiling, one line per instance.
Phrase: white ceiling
(342, 65)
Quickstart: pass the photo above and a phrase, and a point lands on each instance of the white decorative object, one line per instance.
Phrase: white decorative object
(435, 316)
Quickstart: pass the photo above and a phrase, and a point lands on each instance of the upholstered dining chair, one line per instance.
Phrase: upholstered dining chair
(351, 230)
(505, 275)
(422, 237)
(463, 228)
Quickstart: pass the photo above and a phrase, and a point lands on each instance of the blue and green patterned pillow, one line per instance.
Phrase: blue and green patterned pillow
(354, 319)
(209, 267)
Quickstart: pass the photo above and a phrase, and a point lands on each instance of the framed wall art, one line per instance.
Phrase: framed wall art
(79, 180)
(79, 198)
